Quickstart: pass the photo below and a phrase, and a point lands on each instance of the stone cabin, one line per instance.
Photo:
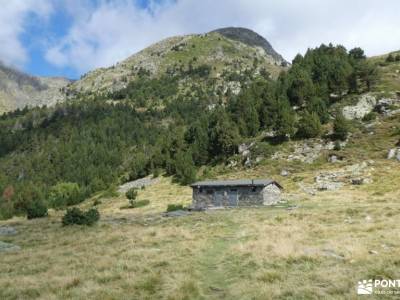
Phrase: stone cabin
(244, 192)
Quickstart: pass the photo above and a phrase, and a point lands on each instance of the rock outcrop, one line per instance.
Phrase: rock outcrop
(364, 106)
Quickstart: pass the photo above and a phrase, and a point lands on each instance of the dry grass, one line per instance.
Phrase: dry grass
(317, 251)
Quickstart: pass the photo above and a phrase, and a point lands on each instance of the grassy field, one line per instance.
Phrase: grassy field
(318, 250)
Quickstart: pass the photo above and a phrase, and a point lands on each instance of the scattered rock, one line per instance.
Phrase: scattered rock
(394, 153)
(357, 181)
(329, 186)
(364, 106)
(146, 181)
(284, 173)
(246, 153)
(7, 247)
(245, 147)
(177, 213)
(373, 252)
(308, 190)
(333, 159)
(336, 179)
(332, 253)
(259, 158)
(7, 230)
(247, 162)
(307, 151)
(368, 219)
(385, 106)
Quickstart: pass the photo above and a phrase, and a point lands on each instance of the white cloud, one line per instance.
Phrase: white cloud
(13, 17)
(112, 30)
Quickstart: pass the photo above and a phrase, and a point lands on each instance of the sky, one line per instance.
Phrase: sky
(71, 37)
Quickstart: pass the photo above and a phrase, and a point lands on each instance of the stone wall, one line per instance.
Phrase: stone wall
(271, 194)
(226, 196)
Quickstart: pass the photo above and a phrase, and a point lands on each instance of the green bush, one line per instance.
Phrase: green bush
(174, 207)
(36, 209)
(340, 127)
(131, 194)
(77, 216)
(370, 116)
(65, 194)
(310, 126)
(337, 146)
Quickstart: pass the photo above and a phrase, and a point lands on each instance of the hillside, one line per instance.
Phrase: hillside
(327, 129)
(227, 54)
(18, 89)
(224, 254)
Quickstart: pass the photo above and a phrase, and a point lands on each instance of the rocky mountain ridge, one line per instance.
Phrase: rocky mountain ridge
(18, 89)
(229, 50)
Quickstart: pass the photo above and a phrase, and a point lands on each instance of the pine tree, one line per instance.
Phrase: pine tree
(318, 106)
(301, 87)
(185, 171)
(341, 127)
(309, 126)
(390, 58)
(285, 118)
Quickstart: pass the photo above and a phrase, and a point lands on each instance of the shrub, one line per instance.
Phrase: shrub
(131, 194)
(77, 216)
(174, 207)
(370, 116)
(36, 209)
(6, 209)
(65, 194)
(340, 127)
(390, 58)
(337, 146)
(310, 126)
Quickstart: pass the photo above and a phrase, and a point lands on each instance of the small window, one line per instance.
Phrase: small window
(233, 190)
(210, 192)
(254, 189)
(200, 190)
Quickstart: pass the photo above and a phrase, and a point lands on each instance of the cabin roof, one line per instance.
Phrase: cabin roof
(238, 182)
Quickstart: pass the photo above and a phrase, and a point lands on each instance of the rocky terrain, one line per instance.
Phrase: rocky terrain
(229, 51)
(18, 89)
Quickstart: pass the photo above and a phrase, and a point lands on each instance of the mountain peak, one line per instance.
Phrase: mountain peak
(251, 38)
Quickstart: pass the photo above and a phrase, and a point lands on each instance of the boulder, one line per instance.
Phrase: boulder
(357, 181)
(364, 106)
(245, 147)
(394, 154)
(284, 173)
(333, 159)
(329, 186)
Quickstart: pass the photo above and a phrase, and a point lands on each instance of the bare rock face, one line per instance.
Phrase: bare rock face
(364, 106)
(18, 89)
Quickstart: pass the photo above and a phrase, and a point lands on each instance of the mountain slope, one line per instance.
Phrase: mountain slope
(250, 38)
(225, 52)
(18, 89)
